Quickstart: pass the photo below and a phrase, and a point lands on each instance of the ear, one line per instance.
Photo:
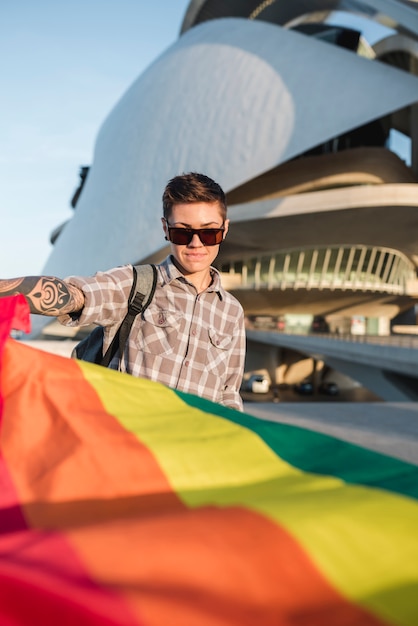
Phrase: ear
(226, 228)
(165, 229)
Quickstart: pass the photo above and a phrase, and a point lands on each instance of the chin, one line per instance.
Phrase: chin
(191, 268)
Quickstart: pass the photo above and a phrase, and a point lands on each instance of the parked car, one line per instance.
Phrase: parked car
(304, 388)
(319, 325)
(257, 383)
(328, 388)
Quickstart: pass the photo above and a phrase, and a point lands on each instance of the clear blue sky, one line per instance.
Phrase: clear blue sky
(64, 65)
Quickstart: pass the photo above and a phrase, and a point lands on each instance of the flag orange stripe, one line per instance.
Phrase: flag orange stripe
(211, 566)
(58, 457)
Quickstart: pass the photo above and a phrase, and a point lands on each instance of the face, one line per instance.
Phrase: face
(195, 257)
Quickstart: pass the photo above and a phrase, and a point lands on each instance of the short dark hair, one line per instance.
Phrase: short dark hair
(192, 187)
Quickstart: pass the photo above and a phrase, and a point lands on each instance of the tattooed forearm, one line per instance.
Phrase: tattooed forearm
(10, 286)
(46, 295)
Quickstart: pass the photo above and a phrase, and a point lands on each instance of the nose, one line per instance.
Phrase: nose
(195, 242)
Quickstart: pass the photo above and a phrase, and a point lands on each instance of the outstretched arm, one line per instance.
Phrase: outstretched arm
(46, 295)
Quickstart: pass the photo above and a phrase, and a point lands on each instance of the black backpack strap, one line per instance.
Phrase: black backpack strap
(142, 292)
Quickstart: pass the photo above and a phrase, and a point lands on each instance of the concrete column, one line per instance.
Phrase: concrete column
(273, 362)
(315, 375)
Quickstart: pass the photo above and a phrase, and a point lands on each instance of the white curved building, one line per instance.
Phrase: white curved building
(294, 114)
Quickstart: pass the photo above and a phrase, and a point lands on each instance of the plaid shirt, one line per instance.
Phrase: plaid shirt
(185, 340)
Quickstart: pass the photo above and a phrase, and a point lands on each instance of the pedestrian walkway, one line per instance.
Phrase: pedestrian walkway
(390, 428)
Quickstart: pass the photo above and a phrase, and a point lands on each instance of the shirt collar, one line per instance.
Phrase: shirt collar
(171, 273)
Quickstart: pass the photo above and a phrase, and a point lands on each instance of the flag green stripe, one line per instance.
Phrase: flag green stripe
(327, 455)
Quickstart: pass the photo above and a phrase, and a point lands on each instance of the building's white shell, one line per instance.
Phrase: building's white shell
(232, 98)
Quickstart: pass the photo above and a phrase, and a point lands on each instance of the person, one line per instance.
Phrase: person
(192, 335)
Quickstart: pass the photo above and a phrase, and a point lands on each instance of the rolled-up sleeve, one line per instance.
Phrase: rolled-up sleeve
(106, 297)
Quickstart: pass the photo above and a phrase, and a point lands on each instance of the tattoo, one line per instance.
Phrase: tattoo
(46, 295)
(10, 285)
(50, 295)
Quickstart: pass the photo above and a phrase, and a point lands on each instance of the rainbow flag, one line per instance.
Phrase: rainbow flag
(126, 503)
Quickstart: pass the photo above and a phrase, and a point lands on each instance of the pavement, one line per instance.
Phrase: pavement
(390, 428)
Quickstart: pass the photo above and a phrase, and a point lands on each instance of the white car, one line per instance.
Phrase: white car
(258, 383)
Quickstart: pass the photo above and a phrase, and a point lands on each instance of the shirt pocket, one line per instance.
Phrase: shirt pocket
(160, 330)
(218, 351)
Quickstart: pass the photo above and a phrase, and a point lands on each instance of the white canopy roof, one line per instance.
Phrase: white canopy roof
(232, 98)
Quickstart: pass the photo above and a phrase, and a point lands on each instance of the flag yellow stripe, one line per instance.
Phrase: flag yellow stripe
(363, 540)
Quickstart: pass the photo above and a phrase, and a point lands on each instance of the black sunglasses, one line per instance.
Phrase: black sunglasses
(183, 236)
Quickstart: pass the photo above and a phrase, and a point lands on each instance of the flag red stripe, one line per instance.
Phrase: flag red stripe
(42, 581)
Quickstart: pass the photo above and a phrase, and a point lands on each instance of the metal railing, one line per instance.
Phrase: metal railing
(346, 268)
(404, 341)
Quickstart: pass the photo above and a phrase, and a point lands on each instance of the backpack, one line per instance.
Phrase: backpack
(143, 288)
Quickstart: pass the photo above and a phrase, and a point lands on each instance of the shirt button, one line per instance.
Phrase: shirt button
(187, 363)
(193, 332)
(161, 320)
